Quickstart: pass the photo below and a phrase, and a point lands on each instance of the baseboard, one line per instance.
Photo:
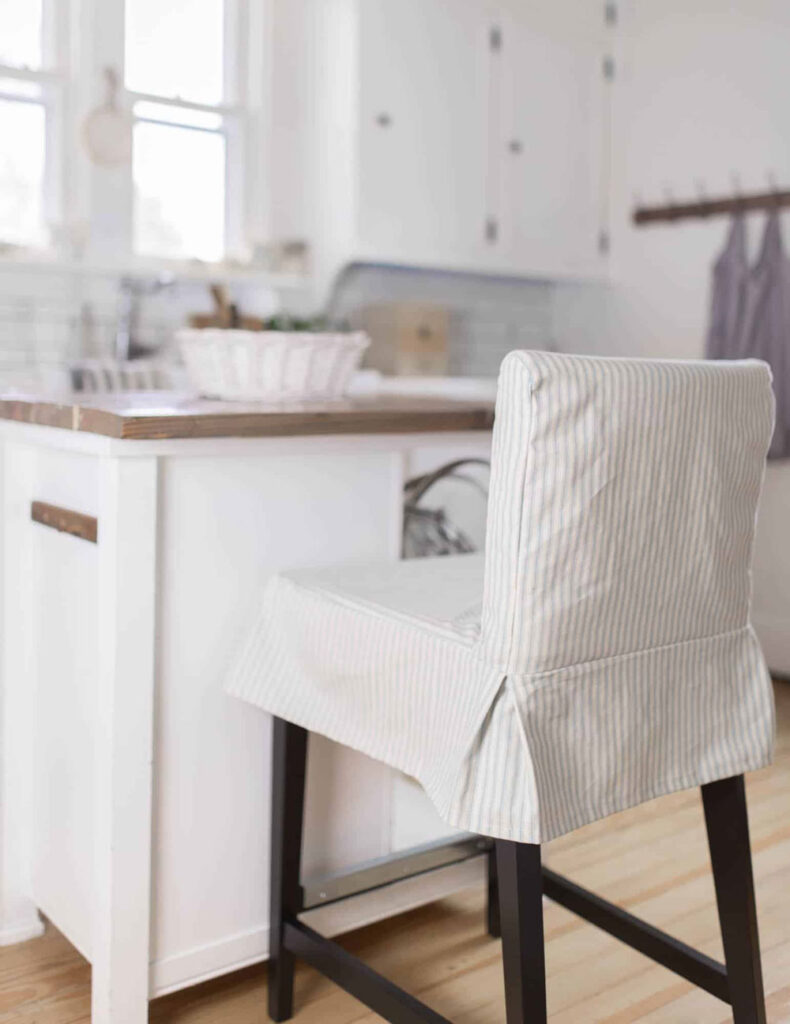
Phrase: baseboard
(245, 948)
(29, 926)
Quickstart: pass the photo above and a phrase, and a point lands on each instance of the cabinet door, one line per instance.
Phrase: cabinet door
(550, 149)
(423, 108)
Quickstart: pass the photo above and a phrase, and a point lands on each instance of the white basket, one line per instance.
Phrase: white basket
(270, 365)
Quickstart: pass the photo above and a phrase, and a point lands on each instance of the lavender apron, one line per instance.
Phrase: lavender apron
(766, 327)
(728, 295)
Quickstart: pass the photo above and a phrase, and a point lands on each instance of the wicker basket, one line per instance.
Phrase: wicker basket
(270, 365)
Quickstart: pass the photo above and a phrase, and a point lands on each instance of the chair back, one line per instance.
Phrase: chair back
(622, 505)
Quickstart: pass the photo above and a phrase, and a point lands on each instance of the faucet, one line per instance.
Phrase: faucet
(132, 290)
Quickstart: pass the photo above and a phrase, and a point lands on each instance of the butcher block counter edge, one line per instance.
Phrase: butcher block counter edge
(148, 416)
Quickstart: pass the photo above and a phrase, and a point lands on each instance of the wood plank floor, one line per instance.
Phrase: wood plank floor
(652, 860)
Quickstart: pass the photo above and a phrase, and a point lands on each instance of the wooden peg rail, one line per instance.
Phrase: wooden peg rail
(712, 207)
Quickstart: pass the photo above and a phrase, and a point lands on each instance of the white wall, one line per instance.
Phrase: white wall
(701, 98)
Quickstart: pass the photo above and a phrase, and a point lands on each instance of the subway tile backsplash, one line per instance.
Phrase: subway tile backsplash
(51, 322)
(489, 316)
(51, 318)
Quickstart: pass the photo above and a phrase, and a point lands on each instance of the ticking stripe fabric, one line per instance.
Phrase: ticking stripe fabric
(600, 654)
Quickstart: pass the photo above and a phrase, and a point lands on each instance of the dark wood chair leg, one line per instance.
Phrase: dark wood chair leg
(728, 838)
(521, 918)
(492, 905)
(289, 762)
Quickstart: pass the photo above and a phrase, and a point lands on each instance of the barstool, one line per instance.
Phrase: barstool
(598, 656)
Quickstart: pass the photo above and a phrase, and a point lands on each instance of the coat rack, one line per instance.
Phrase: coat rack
(773, 200)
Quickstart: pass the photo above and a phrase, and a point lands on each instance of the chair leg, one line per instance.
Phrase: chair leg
(521, 912)
(728, 837)
(492, 904)
(289, 761)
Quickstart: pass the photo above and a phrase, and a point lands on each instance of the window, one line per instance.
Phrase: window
(186, 136)
(193, 84)
(26, 100)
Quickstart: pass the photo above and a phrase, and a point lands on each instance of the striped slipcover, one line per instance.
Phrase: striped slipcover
(600, 654)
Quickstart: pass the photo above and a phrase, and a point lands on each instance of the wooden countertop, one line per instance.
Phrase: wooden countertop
(158, 415)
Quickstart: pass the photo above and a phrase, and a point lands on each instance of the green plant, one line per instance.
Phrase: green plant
(284, 322)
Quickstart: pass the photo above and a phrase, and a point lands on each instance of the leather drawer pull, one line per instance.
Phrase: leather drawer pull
(65, 520)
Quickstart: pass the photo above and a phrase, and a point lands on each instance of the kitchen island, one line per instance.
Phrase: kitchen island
(138, 530)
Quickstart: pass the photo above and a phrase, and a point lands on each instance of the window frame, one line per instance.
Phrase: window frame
(80, 38)
(53, 79)
(233, 110)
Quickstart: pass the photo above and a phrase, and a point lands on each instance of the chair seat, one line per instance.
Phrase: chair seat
(378, 657)
(443, 595)
(385, 658)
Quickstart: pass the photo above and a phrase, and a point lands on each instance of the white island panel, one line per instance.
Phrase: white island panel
(227, 524)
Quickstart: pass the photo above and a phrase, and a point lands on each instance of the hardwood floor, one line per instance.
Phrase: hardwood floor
(653, 860)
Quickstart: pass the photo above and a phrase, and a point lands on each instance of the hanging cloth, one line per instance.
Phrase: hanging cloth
(728, 295)
(766, 326)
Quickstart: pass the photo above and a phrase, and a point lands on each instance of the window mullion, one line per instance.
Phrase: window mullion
(55, 24)
(235, 72)
(177, 101)
(13, 97)
(54, 164)
(30, 74)
(257, 122)
(235, 177)
(235, 63)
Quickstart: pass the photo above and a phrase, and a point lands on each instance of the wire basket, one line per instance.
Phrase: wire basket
(456, 491)
(270, 365)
